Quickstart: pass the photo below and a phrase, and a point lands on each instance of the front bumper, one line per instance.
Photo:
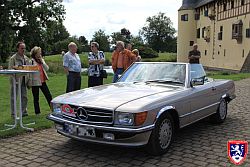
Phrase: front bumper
(122, 136)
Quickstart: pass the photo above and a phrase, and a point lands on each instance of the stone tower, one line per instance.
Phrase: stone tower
(186, 29)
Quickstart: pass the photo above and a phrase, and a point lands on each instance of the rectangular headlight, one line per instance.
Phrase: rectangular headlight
(125, 118)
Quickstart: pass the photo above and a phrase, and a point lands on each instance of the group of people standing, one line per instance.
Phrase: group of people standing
(122, 58)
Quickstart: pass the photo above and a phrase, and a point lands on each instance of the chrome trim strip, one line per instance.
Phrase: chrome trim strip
(196, 120)
(76, 119)
(163, 110)
(113, 128)
(193, 112)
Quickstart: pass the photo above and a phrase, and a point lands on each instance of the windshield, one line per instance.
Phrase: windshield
(197, 71)
(155, 72)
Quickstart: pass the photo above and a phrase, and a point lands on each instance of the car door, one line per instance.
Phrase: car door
(202, 97)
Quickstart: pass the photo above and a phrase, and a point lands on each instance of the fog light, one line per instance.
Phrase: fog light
(109, 136)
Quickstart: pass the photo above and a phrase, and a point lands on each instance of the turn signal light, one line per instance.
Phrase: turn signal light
(140, 118)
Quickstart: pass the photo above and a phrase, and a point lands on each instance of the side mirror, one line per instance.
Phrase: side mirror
(197, 81)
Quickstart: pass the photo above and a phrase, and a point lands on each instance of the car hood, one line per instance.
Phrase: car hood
(113, 95)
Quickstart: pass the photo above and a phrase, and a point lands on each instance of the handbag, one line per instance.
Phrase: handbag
(103, 74)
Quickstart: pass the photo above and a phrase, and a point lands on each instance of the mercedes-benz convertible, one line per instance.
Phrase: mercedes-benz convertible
(146, 106)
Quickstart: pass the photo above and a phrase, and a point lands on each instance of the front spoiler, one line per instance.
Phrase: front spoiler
(135, 141)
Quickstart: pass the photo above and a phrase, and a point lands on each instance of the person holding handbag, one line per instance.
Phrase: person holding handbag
(38, 80)
(96, 60)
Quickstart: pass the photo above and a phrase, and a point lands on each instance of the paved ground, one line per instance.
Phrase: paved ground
(202, 144)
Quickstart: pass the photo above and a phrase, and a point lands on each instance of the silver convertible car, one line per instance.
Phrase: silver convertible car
(146, 106)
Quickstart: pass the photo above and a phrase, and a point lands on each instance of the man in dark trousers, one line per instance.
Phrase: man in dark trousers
(194, 55)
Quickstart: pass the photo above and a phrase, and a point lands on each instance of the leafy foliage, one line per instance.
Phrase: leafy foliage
(147, 52)
(37, 22)
(84, 42)
(103, 40)
(60, 46)
(159, 33)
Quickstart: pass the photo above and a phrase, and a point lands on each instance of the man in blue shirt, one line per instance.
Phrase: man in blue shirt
(72, 67)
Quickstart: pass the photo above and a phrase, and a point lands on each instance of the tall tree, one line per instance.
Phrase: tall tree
(26, 20)
(117, 36)
(54, 32)
(159, 32)
(127, 35)
(84, 42)
(103, 40)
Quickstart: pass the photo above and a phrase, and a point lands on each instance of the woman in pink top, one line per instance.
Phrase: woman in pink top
(38, 80)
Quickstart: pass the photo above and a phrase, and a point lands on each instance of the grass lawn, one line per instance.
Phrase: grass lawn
(235, 77)
(57, 86)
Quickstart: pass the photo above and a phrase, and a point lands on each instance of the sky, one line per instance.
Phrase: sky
(84, 17)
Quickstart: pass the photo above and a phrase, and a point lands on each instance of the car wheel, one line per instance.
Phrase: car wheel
(221, 113)
(161, 136)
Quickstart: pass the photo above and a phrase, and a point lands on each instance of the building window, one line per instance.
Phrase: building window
(191, 43)
(224, 52)
(206, 12)
(248, 33)
(184, 17)
(224, 6)
(237, 30)
(203, 32)
(205, 52)
(232, 4)
(197, 16)
(198, 33)
(207, 34)
(220, 33)
(242, 2)
(243, 53)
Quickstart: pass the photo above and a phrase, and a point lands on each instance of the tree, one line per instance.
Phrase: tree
(27, 20)
(136, 41)
(60, 46)
(84, 42)
(54, 32)
(127, 35)
(159, 32)
(103, 40)
(117, 36)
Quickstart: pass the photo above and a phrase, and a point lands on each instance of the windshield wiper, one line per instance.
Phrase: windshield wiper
(164, 81)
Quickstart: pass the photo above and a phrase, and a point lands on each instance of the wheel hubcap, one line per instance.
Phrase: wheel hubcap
(223, 109)
(165, 133)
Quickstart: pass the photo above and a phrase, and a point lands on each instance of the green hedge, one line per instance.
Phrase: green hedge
(147, 52)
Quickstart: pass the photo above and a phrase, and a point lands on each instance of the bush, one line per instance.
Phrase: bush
(147, 52)
(55, 67)
(60, 46)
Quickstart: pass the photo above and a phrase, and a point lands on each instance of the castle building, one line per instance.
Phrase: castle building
(221, 28)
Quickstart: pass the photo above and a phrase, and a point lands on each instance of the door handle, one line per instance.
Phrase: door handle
(213, 88)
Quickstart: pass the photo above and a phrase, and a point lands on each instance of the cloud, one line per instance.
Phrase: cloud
(112, 18)
(84, 17)
(68, 1)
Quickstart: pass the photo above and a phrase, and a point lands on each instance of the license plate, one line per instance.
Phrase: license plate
(86, 131)
(70, 128)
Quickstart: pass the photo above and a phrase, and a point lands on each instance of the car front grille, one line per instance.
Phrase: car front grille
(92, 115)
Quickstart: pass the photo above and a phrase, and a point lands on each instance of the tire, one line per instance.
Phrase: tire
(161, 136)
(221, 114)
